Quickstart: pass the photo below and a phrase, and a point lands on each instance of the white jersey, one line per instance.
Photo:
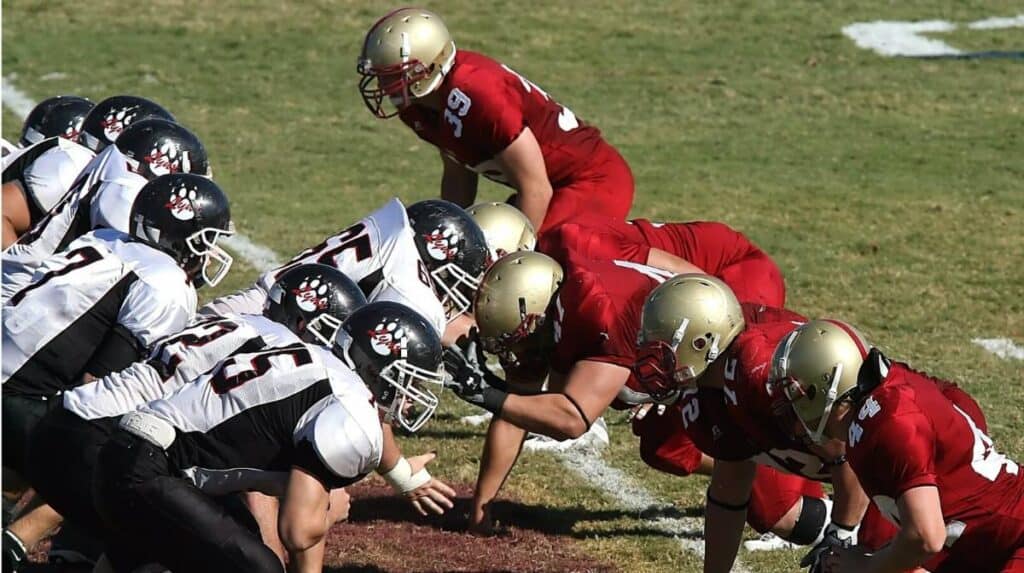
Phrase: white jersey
(46, 172)
(247, 422)
(174, 361)
(101, 196)
(7, 149)
(103, 284)
(378, 253)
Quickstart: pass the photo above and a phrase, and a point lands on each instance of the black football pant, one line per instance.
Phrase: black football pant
(20, 416)
(156, 516)
(62, 454)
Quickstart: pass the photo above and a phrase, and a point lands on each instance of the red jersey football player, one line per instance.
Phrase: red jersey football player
(488, 120)
(918, 446)
(695, 247)
(694, 331)
(580, 328)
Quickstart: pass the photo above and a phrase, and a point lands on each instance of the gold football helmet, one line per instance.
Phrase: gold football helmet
(512, 301)
(407, 52)
(685, 324)
(817, 366)
(507, 229)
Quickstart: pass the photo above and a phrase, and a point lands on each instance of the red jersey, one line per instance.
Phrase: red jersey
(716, 248)
(908, 433)
(597, 312)
(487, 107)
(709, 245)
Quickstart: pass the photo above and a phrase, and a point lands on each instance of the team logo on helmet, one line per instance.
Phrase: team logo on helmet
(388, 339)
(311, 295)
(116, 120)
(180, 204)
(442, 245)
(165, 159)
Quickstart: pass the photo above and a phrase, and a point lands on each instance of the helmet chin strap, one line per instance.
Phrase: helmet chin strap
(830, 401)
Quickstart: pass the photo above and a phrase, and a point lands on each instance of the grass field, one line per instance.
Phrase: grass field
(890, 191)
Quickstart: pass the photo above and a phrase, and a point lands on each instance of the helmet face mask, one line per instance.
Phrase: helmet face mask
(203, 245)
(405, 55)
(456, 287)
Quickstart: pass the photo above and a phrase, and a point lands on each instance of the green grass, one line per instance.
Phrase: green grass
(889, 190)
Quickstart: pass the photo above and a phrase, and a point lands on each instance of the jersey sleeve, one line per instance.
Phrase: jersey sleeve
(343, 444)
(494, 117)
(50, 176)
(116, 393)
(893, 454)
(246, 301)
(151, 313)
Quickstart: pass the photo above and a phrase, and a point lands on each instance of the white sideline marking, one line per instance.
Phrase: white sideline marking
(586, 463)
(16, 100)
(901, 38)
(1001, 347)
(260, 257)
(893, 38)
(998, 23)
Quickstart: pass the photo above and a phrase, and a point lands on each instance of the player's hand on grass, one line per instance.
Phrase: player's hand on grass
(836, 538)
(480, 522)
(845, 560)
(434, 496)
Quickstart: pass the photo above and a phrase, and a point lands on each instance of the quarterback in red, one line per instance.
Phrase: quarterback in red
(488, 120)
(918, 446)
(695, 247)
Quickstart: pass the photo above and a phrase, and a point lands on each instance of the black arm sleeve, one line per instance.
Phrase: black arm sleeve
(118, 351)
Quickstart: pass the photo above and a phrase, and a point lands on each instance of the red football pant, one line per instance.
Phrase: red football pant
(756, 279)
(774, 494)
(607, 189)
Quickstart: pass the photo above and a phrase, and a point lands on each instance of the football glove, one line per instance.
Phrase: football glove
(469, 377)
(836, 537)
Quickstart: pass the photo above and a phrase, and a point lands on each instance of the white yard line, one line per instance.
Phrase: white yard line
(588, 464)
(998, 23)
(1001, 347)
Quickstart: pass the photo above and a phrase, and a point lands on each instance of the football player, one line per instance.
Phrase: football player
(94, 308)
(488, 120)
(694, 334)
(310, 300)
(695, 247)
(506, 228)
(429, 256)
(65, 135)
(302, 419)
(580, 327)
(919, 446)
(103, 193)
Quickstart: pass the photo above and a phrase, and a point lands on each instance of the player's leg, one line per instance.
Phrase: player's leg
(790, 506)
(168, 519)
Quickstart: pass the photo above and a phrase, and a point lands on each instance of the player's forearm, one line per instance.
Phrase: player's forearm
(551, 414)
(660, 259)
(906, 552)
(723, 529)
(458, 184)
(534, 197)
(391, 451)
(501, 450)
(850, 500)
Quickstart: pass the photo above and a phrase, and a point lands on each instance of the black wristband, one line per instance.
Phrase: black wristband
(727, 506)
(494, 400)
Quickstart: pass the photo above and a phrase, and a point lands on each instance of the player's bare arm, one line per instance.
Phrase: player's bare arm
(726, 512)
(502, 447)
(458, 184)
(523, 164)
(303, 523)
(409, 477)
(16, 215)
(664, 260)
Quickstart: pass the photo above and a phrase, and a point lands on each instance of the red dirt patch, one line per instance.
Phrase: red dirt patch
(384, 533)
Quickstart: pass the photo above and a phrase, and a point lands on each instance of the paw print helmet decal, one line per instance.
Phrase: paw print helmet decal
(184, 215)
(312, 300)
(110, 117)
(453, 248)
(397, 353)
(155, 147)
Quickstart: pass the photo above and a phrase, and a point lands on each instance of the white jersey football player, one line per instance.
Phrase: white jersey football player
(428, 257)
(295, 420)
(38, 171)
(103, 193)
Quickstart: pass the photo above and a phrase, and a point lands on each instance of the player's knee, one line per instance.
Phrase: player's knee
(810, 522)
(298, 537)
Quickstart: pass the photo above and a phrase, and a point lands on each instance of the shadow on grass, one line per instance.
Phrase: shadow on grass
(560, 521)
